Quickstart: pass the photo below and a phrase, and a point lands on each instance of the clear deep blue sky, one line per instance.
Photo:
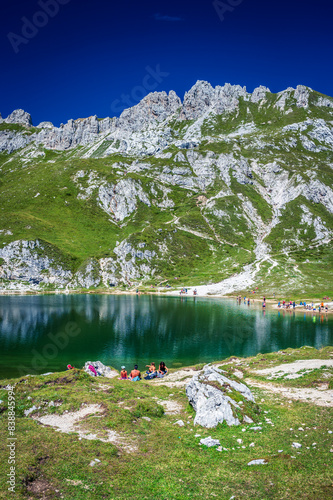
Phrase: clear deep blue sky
(84, 59)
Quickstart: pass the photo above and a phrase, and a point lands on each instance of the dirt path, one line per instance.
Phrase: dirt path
(67, 421)
(70, 422)
(294, 370)
(308, 395)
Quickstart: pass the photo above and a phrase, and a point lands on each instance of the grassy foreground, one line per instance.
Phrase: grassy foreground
(155, 458)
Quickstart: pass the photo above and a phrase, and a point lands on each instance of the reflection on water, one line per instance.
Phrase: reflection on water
(45, 333)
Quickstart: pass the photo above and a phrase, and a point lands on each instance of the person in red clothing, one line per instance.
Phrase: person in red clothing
(123, 373)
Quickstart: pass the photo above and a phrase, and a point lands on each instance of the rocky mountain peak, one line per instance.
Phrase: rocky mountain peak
(302, 96)
(45, 125)
(19, 116)
(259, 93)
(156, 106)
(197, 100)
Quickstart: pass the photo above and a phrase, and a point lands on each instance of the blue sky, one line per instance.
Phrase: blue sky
(64, 59)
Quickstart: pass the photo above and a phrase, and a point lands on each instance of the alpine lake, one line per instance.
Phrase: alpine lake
(44, 333)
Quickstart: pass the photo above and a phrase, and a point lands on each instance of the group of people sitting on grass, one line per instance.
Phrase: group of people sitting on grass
(152, 372)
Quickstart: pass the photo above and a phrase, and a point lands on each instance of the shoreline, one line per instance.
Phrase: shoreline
(191, 367)
(271, 304)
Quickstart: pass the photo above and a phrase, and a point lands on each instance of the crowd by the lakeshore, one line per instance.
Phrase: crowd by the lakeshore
(303, 305)
(285, 305)
(135, 374)
(291, 304)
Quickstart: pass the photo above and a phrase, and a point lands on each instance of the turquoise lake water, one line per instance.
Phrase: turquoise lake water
(43, 333)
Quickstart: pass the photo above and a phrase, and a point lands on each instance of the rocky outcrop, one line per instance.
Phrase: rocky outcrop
(45, 125)
(302, 96)
(282, 98)
(134, 263)
(11, 141)
(102, 370)
(259, 94)
(28, 261)
(19, 116)
(138, 131)
(120, 200)
(210, 393)
(155, 107)
(324, 102)
(75, 132)
(202, 97)
(25, 265)
(87, 276)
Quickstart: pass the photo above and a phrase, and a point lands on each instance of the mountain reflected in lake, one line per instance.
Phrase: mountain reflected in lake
(44, 333)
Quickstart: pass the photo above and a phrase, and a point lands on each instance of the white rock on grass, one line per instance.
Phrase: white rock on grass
(208, 393)
(259, 461)
(209, 441)
(30, 410)
(180, 423)
(94, 462)
(296, 445)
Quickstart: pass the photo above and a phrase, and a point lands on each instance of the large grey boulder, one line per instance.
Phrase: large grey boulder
(105, 371)
(210, 394)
